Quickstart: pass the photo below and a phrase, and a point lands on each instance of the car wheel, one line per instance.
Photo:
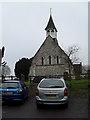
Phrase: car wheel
(66, 105)
(23, 99)
(39, 105)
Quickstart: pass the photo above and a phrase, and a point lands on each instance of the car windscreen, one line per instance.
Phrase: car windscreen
(10, 85)
(51, 84)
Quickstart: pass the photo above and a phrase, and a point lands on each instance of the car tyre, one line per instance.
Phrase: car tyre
(39, 105)
(23, 99)
(66, 105)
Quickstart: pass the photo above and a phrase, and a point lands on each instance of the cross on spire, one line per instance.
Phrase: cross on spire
(51, 11)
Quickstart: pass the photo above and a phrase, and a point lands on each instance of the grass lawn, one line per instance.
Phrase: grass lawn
(78, 83)
(78, 88)
(28, 83)
(32, 88)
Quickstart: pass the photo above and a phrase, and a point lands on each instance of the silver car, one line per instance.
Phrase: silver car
(52, 91)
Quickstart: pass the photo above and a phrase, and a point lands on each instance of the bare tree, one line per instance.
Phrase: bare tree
(6, 70)
(72, 53)
(72, 58)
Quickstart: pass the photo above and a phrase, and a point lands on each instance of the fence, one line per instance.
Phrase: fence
(38, 78)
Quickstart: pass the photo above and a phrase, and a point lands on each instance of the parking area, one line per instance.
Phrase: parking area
(78, 105)
(78, 108)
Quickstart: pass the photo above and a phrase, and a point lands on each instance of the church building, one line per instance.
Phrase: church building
(50, 59)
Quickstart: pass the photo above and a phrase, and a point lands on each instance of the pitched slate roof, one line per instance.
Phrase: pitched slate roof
(50, 24)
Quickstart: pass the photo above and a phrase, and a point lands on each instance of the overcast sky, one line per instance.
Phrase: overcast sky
(23, 27)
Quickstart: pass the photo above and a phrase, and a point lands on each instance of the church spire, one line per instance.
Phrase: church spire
(50, 28)
(51, 11)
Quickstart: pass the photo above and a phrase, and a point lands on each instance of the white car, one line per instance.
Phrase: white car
(52, 91)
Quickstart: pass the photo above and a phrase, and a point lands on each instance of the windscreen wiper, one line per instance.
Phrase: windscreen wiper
(56, 86)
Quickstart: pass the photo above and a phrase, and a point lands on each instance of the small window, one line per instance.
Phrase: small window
(42, 60)
(48, 31)
(57, 60)
(52, 30)
(49, 59)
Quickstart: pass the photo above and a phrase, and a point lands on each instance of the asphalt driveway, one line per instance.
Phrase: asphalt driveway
(78, 108)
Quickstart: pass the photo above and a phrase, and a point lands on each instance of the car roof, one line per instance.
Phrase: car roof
(12, 81)
(54, 79)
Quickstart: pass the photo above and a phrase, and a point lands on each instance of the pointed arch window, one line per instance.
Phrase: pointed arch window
(57, 60)
(52, 30)
(49, 59)
(42, 59)
(48, 31)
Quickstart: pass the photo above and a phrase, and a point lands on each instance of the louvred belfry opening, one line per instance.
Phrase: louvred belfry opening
(51, 29)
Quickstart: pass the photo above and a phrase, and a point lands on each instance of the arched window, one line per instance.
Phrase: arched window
(42, 60)
(49, 59)
(57, 60)
(52, 30)
(48, 31)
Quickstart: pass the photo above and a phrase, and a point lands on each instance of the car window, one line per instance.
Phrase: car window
(51, 84)
(10, 85)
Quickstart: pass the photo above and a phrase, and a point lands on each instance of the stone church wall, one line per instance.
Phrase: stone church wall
(49, 70)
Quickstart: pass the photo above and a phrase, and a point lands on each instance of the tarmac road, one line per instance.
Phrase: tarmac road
(78, 108)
